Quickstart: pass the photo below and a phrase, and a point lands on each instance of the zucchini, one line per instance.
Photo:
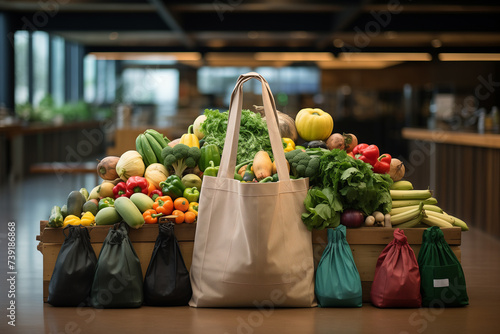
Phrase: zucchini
(107, 216)
(129, 212)
(142, 201)
(75, 203)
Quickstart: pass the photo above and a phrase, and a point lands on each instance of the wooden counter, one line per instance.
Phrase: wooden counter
(462, 169)
(452, 137)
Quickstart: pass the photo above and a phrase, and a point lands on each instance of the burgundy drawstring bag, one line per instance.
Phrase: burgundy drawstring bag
(397, 277)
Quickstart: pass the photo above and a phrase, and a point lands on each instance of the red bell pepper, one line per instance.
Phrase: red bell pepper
(368, 153)
(120, 189)
(358, 148)
(383, 164)
(155, 194)
(137, 184)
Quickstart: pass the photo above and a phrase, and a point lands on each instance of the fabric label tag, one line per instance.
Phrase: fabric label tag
(441, 283)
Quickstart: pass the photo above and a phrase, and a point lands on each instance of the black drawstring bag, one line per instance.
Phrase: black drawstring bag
(118, 276)
(73, 273)
(167, 280)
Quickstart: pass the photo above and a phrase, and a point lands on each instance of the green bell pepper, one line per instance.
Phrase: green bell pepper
(172, 187)
(106, 202)
(56, 218)
(209, 152)
(211, 170)
(191, 194)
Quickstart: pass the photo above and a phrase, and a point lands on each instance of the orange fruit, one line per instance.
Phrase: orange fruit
(189, 217)
(181, 204)
(180, 216)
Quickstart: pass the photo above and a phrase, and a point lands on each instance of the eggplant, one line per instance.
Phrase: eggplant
(316, 144)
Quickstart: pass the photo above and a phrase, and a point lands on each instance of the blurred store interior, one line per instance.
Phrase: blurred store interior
(79, 79)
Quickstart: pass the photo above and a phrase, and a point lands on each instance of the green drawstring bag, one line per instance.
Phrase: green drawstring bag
(118, 276)
(441, 275)
(337, 279)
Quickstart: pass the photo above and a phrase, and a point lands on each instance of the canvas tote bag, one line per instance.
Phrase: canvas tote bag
(251, 248)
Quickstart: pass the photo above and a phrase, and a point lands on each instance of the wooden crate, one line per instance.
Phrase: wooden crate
(366, 243)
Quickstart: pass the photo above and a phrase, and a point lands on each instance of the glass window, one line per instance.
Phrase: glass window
(290, 80)
(148, 85)
(40, 66)
(21, 45)
(101, 81)
(110, 81)
(219, 80)
(57, 60)
(89, 78)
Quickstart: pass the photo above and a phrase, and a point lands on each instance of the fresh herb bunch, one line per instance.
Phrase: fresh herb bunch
(253, 137)
(345, 183)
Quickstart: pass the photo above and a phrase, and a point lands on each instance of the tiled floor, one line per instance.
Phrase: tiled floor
(29, 201)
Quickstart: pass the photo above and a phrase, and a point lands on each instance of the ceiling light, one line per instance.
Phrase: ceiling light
(352, 65)
(179, 56)
(253, 34)
(390, 34)
(469, 56)
(338, 43)
(383, 56)
(436, 43)
(299, 34)
(293, 56)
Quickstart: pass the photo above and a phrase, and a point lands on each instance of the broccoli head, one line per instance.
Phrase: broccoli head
(302, 164)
(180, 157)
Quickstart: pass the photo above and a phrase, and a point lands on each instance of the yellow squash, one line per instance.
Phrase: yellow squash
(262, 165)
(314, 124)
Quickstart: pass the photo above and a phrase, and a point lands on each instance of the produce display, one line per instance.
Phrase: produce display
(351, 183)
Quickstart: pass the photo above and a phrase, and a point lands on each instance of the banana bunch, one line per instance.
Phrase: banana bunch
(412, 207)
(149, 145)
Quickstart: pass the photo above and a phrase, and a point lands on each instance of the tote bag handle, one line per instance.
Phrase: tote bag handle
(228, 160)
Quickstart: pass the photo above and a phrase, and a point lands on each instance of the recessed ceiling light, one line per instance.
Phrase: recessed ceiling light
(436, 43)
(338, 43)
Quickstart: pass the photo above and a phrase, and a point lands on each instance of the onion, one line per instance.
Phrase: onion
(336, 140)
(352, 218)
(397, 171)
(286, 124)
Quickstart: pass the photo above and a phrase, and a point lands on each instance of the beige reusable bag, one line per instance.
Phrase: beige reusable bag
(251, 248)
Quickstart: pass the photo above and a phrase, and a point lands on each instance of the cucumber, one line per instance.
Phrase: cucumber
(107, 216)
(90, 206)
(56, 218)
(142, 201)
(75, 203)
(129, 212)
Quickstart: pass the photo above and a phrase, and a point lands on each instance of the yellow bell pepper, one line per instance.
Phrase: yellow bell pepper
(88, 219)
(193, 207)
(190, 138)
(290, 145)
(71, 220)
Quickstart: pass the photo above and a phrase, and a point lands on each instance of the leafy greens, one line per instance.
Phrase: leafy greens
(253, 136)
(345, 183)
